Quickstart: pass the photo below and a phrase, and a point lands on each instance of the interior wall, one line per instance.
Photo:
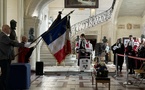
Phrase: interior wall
(80, 13)
(129, 25)
(143, 25)
(76, 16)
(11, 10)
(105, 31)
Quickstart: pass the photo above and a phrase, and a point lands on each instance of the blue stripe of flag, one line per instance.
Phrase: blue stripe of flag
(55, 32)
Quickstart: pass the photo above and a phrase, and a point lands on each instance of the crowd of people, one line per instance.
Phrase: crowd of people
(132, 48)
(84, 48)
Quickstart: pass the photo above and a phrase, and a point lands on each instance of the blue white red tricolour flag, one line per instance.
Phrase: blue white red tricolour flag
(58, 40)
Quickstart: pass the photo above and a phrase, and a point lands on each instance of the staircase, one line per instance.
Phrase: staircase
(92, 21)
(49, 60)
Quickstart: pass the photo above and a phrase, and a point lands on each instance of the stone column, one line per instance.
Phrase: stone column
(20, 28)
(32, 22)
(3, 12)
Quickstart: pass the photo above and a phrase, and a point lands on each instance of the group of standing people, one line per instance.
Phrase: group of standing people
(8, 40)
(132, 48)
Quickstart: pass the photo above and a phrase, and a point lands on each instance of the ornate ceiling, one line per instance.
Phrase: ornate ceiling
(132, 8)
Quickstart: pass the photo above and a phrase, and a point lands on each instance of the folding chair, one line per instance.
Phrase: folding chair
(139, 72)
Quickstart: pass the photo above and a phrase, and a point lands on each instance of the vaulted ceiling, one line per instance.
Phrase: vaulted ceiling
(132, 8)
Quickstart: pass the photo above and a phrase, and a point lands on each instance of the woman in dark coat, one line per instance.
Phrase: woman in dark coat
(118, 48)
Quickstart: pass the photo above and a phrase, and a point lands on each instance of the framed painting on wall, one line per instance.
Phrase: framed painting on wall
(81, 3)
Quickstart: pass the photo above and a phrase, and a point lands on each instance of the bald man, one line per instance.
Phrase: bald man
(24, 52)
(5, 53)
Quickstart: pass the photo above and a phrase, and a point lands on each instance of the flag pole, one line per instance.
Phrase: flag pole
(70, 13)
(53, 27)
(23, 49)
(46, 32)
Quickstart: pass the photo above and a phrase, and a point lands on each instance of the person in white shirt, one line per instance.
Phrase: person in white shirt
(81, 47)
(90, 47)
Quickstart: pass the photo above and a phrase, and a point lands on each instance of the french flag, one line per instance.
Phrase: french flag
(57, 38)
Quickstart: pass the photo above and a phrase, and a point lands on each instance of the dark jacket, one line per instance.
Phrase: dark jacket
(5, 46)
(119, 50)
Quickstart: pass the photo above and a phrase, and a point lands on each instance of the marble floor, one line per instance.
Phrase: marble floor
(70, 78)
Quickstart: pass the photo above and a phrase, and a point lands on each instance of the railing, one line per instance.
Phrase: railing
(92, 21)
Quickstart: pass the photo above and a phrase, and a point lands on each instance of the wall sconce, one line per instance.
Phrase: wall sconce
(92, 12)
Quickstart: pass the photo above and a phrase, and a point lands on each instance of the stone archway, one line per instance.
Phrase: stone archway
(35, 6)
(32, 20)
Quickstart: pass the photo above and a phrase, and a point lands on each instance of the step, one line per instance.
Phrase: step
(53, 62)
(45, 51)
(62, 64)
(46, 56)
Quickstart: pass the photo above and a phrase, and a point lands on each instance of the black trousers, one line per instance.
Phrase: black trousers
(106, 58)
(81, 55)
(5, 70)
(131, 64)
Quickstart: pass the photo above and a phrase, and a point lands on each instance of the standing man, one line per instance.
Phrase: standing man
(5, 55)
(130, 52)
(24, 53)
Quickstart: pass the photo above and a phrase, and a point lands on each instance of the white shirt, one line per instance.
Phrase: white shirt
(131, 43)
(90, 48)
(107, 49)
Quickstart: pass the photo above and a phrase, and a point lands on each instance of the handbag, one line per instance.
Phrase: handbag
(102, 73)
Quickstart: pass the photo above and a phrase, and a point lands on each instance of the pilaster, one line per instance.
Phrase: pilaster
(3, 12)
(20, 20)
(33, 22)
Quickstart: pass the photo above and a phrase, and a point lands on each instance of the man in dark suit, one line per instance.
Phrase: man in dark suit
(5, 54)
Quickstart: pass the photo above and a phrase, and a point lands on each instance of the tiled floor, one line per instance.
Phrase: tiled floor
(69, 78)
